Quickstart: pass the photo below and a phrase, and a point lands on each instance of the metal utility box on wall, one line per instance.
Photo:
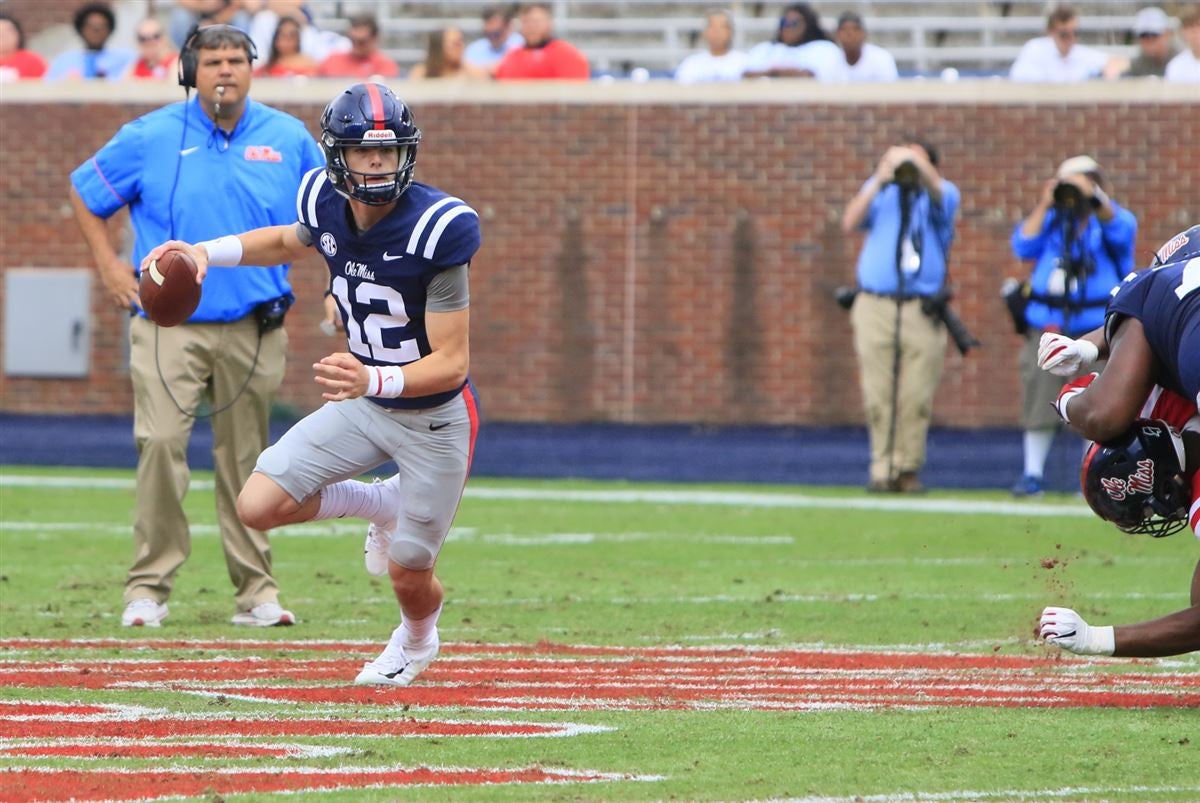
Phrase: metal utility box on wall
(47, 322)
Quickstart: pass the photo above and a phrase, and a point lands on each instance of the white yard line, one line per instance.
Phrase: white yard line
(1008, 794)
(757, 499)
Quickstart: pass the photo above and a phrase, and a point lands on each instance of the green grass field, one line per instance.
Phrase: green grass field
(665, 642)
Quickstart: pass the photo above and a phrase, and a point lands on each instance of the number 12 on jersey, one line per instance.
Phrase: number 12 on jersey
(366, 340)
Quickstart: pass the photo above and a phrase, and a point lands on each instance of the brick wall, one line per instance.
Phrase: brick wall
(654, 261)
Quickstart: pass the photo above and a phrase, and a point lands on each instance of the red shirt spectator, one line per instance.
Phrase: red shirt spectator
(156, 59)
(15, 60)
(364, 60)
(543, 56)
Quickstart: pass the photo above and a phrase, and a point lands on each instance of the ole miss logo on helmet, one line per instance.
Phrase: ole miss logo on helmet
(1139, 482)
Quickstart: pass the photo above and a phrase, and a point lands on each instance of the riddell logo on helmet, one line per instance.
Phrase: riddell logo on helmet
(375, 133)
(1174, 244)
(1139, 482)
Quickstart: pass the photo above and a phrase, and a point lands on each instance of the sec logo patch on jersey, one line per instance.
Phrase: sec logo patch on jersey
(328, 244)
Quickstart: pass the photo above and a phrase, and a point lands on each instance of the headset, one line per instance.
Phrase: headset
(189, 58)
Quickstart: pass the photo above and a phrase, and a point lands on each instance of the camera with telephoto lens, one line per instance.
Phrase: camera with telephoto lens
(907, 176)
(937, 306)
(1069, 199)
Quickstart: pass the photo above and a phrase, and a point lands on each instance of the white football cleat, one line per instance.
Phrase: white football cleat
(143, 612)
(267, 614)
(397, 667)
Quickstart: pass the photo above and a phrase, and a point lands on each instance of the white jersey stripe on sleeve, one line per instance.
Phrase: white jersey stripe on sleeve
(305, 183)
(442, 223)
(419, 229)
(313, 193)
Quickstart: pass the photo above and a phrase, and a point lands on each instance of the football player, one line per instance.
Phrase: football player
(1148, 479)
(397, 252)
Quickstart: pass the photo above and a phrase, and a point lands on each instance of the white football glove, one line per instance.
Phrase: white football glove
(1062, 356)
(1064, 628)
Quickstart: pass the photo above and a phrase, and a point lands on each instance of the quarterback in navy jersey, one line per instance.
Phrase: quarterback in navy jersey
(398, 254)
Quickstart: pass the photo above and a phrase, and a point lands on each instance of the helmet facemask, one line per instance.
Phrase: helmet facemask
(377, 189)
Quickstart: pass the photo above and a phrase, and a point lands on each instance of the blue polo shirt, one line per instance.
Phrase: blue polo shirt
(931, 227)
(203, 183)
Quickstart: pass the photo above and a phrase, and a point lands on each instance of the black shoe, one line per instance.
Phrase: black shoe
(909, 483)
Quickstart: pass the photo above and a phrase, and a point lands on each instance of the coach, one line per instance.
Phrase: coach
(168, 166)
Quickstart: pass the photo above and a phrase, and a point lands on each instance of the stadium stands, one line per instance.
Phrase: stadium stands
(973, 36)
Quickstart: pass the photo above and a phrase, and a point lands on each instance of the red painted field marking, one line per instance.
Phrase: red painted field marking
(524, 678)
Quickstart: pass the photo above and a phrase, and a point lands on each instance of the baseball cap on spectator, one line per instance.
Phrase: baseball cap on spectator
(1151, 22)
(1078, 165)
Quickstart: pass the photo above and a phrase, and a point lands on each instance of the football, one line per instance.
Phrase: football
(168, 289)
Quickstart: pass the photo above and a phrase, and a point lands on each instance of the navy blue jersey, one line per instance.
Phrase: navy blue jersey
(379, 277)
(1167, 302)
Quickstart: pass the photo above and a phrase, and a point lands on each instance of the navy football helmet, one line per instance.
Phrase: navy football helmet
(1182, 247)
(369, 115)
(1136, 481)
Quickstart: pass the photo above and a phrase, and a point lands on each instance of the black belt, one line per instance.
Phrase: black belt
(895, 296)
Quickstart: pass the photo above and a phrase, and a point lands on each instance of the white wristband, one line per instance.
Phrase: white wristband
(223, 252)
(1088, 352)
(385, 381)
(1100, 641)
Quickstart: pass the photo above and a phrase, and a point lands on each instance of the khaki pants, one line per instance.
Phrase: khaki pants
(196, 361)
(922, 354)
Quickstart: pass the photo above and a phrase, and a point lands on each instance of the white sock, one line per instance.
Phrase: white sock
(361, 500)
(1037, 449)
(417, 633)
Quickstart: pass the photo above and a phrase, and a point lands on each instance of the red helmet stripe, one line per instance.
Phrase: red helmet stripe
(376, 106)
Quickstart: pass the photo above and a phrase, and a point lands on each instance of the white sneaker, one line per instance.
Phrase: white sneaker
(379, 538)
(268, 614)
(397, 667)
(143, 612)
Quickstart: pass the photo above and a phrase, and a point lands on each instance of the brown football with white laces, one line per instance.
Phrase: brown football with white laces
(168, 288)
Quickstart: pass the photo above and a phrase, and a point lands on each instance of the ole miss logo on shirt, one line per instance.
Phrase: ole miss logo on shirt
(262, 153)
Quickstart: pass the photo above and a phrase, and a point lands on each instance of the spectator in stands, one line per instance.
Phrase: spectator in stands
(364, 59)
(719, 62)
(444, 58)
(156, 58)
(864, 61)
(542, 56)
(95, 23)
(188, 14)
(15, 61)
(801, 49)
(1185, 68)
(498, 38)
(1152, 27)
(1080, 242)
(315, 43)
(908, 212)
(1057, 58)
(286, 60)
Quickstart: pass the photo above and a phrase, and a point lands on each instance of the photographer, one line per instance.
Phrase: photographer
(908, 212)
(1081, 243)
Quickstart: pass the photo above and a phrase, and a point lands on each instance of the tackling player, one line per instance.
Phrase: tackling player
(1146, 480)
(397, 252)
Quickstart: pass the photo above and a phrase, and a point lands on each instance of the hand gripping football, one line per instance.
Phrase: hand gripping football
(168, 289)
